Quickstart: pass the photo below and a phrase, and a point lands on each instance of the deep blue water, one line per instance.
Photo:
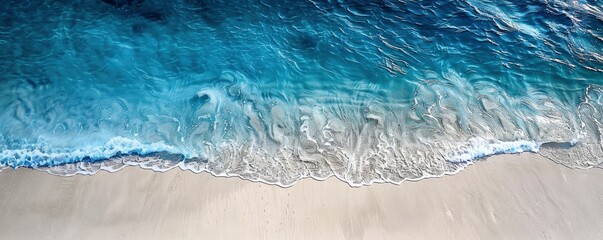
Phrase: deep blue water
(368, 91)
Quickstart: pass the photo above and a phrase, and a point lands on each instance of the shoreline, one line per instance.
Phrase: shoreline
(110, 166)
(520, 196)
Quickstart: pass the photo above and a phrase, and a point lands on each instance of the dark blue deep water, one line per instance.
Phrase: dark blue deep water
(275, 91)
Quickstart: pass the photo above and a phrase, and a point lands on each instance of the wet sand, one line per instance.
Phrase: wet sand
(505, 197)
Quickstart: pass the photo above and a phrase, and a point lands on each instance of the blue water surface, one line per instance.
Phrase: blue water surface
(368, 91)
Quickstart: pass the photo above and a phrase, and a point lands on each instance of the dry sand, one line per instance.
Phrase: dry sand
(506, 197)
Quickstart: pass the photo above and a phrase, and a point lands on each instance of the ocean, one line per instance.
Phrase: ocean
(277, 91)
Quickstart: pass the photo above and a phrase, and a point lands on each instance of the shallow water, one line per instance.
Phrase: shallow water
(378, 91)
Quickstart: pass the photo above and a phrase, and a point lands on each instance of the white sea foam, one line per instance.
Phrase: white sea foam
(114, 156)
(479, 148)
(34, 156)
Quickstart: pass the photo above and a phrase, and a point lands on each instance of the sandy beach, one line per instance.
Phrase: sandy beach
(505, 197)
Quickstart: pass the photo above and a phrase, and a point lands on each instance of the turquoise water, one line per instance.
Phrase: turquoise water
(275, 91)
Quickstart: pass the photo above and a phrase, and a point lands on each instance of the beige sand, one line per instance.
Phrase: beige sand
(506, 197)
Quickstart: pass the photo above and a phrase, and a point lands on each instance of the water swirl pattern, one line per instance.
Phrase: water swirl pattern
(276, 91)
